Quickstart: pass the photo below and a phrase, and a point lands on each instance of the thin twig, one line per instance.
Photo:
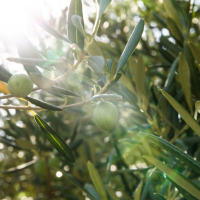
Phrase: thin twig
(10, 95)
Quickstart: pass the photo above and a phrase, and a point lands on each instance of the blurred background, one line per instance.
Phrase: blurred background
(120, 151)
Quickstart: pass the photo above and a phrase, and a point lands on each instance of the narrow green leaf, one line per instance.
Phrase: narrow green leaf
(4, 74)
(140, 79)
(20, 167)
(93, 49)
(196, 53)
(184, 77)
(108, 166)
(131, 44)
(92, 191)
(75, 8)
(173, 48)
(159, 197)
(128, 83)
(159, 19)
(176, 177)
(112, 194)
(101, 7)
(186, 194)
(77, 22)
(75, 144)
(55, 139)
(175, 151)
(172, 12)
(64, 91)
(184, 114)
(171, 74)
(171, 25)
(96, 63)
(138, 191)
(96, 179)
(132, 68)
(44, 64)
(149, 175)
(41, 81)
(49, 29)
(80, 78)
(113, 71)
(73, 180)
(43, 104)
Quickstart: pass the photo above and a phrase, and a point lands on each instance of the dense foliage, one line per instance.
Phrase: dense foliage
(50, 145)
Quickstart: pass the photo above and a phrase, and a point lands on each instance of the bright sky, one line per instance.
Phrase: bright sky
(16, 14)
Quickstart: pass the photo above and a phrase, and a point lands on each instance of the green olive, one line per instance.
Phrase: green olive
(105, 116)
(20, 85)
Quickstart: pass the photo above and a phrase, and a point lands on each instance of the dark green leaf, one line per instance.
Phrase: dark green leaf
(131, 44)
(4, 74)
(43, 104)
(55, 139)
(159, 197)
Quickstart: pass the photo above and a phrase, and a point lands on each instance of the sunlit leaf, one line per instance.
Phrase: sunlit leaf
(175, 151)
(184, 114)
(45, 64)
(49, 29)
(96, 179)
(176, 177)
(138, 191)
(131, 44)
(184, 77)
(55, 139)
(172, 12)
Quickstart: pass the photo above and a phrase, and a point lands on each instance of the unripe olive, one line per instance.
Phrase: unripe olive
(105, 116)
(20, 85)
(54, 162)
(40, 168)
